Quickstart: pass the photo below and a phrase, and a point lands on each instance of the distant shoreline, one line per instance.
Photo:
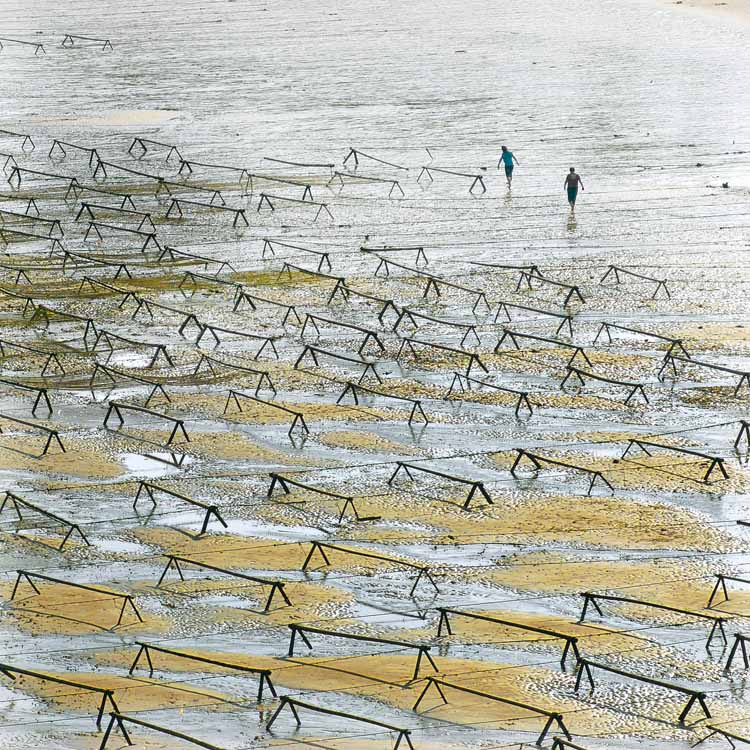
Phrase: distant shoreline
(739, 9)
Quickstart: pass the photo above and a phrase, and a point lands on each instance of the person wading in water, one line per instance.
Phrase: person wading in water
(507, 158)
(572, 182)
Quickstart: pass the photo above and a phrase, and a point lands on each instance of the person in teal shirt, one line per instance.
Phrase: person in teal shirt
(507, 158)
(572, 182)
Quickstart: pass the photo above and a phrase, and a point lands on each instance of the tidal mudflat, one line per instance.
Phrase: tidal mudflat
(315, 434)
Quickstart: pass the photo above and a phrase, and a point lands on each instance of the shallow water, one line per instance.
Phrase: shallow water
(649, 100)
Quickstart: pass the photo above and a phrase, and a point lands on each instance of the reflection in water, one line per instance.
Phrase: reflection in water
(572, 222)
(508, 198)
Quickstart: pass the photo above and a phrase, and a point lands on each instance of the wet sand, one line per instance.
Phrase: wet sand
(650, 105)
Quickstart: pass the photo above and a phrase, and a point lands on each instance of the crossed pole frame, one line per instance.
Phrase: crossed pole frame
(149, 488)
(145, 649)
(314, 351)
(477, 487)
(730, 737)
(696, 696)
(552, 717)
(514, 335)
(173, 561)
(26, 139)
(286, 482)
(113, 373)
(617, 270)
(352, 387)
(141, 143)
(9, 670)
(423, 650)
(51, 433)
(477, 179)
(409, 342)
(294, 704)
(370, 335)
(581, 375)
(41, 394)
(564, 318)
(127, 599)
(106, 44)
(38, 46)
(297, 422)
(320, 547)
(529, 276)
(269, 243)
(644, 445)
(60, 146)
(571, 642)
(670, 359)
(537, 461)
(263, 377)
(412, 316)
(239, 213)
(459, 378)
(118, 719)
(19, 502)
(117, 407)
(718, 622)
